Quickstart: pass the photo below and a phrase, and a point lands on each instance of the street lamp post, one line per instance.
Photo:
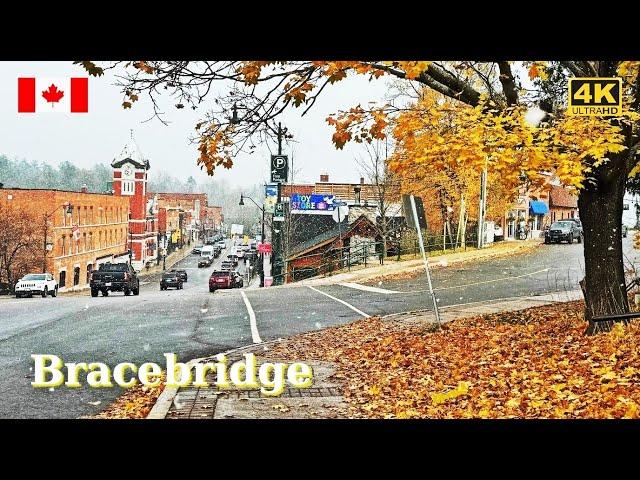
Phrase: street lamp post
(278, 261)
(261, 265)
(68, 210)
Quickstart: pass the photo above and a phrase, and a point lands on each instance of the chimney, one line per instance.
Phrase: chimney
(324, 177)
(361, 180)
(84, 189)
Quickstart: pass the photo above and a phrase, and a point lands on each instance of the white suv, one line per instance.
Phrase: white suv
(37, 283)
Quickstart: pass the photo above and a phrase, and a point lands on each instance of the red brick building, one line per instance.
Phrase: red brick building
(130, 180)
(562, 203)
(82, 230)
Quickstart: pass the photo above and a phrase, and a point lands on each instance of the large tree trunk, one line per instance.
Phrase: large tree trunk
(601, 205)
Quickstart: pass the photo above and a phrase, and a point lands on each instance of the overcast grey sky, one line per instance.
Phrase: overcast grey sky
(97, 137)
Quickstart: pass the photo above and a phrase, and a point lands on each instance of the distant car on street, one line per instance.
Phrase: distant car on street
(227, 265)
(233, 258)
(205, 262)
(181, 273)
(238, 279)
(42, 284)
(222, 244)
(114, 277)
(171, 279)
(222, 279)
(563, 230)
(5, 288)
(197, 249)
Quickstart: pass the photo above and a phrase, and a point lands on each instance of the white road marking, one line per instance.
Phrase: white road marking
(359, 312)
(255, 336)
(367, 288)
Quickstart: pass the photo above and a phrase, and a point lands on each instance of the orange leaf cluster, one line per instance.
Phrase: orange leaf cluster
(533, 363)
(136, 402)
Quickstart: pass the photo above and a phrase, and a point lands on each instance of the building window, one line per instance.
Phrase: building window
(76, 276)
(89, 270)
(91, 213)
(84, 242)
(63, 241)
(63, 279)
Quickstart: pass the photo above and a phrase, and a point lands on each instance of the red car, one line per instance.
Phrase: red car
(219, 279)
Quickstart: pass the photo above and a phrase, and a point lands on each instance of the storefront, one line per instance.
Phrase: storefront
(537, 211)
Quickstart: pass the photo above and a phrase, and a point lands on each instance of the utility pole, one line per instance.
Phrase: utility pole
(483, 206)
(276, 234)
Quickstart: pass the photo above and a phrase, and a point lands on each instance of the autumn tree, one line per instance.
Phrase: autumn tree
(20, 243)
(374, 166)
(595, 155)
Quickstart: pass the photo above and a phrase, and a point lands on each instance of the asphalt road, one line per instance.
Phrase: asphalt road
(193, 322)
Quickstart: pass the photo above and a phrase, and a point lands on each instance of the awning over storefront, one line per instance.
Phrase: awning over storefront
(536, 207)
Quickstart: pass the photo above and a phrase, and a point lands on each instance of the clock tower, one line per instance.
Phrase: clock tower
(130, 180)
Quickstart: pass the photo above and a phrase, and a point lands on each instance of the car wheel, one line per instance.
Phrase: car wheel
(570, 240)
(45, 292)
(94, 292)
(127, 292)
(579, 238)
(136, 291)
(18, 295)
(105, 293)
(54, 292)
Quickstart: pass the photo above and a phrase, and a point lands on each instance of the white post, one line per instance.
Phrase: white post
(424, 259)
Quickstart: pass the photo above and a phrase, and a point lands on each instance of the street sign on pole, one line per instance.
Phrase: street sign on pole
(278, 212)
(420, 219)
(279, 168)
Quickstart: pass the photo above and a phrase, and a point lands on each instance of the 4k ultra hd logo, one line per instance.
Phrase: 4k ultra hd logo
(595, 96)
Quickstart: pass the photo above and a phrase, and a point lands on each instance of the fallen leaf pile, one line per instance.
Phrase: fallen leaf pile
(534, 363)
(136, 402)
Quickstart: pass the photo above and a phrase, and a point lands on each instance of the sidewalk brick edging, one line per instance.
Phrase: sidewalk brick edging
(165, 400)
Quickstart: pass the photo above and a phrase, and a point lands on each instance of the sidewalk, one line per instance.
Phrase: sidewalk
(408, 267)
(323, 399)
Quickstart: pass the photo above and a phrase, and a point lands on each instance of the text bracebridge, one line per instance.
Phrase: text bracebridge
(243, 374)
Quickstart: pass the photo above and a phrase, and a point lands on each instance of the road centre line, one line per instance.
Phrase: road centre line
(359, 312)
(255, 336)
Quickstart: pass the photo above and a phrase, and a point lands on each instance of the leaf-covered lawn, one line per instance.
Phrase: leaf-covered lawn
(136, 402)
(535, 363)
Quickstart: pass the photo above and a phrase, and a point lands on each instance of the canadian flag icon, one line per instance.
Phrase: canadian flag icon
(42, 94)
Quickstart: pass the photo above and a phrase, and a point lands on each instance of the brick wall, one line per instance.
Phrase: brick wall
(102, 222)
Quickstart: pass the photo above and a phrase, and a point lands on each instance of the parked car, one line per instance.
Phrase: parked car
(205, 262)
(181, 273)
(171, 279)
(579, 225)
(222, 279)
(216, 252)
(114, 277)
(563, 230)
(625, 230)
(42, 284)
(197, 249)
(222, 244)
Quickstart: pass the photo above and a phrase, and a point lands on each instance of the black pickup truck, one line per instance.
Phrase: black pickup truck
(114, 277)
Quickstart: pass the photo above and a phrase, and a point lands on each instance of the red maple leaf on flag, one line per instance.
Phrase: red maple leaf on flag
(52, 95)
